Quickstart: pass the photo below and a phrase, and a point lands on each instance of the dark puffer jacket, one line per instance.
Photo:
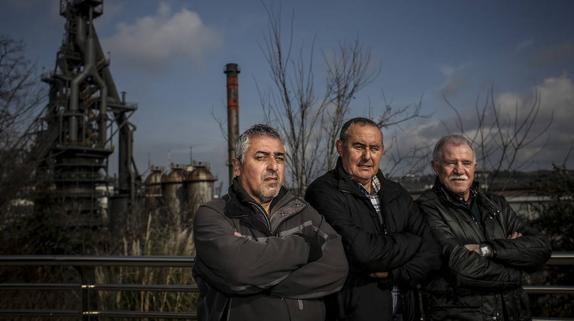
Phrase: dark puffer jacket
(270, 271)
(470, 286)
(402, 246)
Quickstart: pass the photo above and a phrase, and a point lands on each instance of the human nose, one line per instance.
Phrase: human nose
(458, 167)
(273, 164)
(366, 154)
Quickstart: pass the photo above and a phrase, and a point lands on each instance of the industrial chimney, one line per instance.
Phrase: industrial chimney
(232, 70)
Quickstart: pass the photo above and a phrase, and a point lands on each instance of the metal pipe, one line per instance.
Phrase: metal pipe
(232, 70)
(74, 90)
(103, 96)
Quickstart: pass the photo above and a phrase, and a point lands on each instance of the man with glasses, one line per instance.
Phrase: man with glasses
(486, 248)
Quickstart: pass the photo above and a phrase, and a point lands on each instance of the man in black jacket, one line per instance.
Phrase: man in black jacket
(388, 245)
(261, 252)
(486, 247)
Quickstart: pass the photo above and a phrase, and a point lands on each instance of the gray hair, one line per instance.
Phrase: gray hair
(357, 120)
(456, 140)
(256, 130)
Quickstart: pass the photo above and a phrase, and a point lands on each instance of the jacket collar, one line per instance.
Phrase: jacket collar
(481, 197)
(348, 185)
(455, 198)
(242, 203)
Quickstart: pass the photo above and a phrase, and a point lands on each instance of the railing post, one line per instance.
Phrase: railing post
(89, 293)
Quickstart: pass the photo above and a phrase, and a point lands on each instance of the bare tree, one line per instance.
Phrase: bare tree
(503, 136)
(310, 119)
(349, 70)
(21, 96)
(293, 105)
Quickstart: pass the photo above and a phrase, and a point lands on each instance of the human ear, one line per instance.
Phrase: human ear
(236, 167)
(339, 146)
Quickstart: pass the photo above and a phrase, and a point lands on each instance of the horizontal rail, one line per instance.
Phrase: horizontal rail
(109, 314)
(549, 289)
(71, 260)
(101, 287)
(558, 258)
(41, 313)
(561, 258)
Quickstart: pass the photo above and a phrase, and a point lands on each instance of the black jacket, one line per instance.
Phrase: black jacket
(470, 286)
(269, 272)
(403, 246)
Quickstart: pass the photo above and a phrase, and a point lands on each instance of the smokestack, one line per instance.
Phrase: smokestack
(232, 70)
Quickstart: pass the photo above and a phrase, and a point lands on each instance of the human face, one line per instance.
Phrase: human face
(361, 152)
(262, 172)
(456, 168)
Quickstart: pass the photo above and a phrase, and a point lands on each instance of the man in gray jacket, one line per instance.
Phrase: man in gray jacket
(261, 252)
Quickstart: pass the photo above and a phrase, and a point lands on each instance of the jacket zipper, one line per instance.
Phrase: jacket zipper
(262, 213)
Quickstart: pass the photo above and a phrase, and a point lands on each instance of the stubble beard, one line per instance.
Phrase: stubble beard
(266, 195)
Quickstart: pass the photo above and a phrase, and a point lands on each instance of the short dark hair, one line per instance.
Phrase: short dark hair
(456, 140)
(357, 120)
(256, 130)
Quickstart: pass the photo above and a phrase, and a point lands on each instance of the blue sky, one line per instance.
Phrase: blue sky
(169, 57)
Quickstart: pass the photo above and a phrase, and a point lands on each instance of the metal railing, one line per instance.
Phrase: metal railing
(88, 288)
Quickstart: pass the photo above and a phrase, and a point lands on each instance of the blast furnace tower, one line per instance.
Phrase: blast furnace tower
(84, 114)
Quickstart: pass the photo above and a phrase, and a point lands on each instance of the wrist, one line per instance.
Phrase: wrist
(486, 250)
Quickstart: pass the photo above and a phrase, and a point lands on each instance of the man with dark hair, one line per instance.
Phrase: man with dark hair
(388, 245)
(486, 248)
(261, 252)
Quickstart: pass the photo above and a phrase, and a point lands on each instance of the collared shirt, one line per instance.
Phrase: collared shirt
(376, 201)
(374, 198)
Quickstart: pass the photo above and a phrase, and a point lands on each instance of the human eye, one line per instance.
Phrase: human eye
(261, 156)
(467, 163)
(280, 157)
(449, 163)
(375, 148)
(359, 146)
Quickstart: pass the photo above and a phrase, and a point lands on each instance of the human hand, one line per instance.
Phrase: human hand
(379, 275)
(237, 234)
(514, 235)
(473, 247)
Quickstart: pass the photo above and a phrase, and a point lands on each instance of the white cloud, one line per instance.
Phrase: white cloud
(547, 145)
(155, 41)
(557, 94)
(507, 103)
(554, 96)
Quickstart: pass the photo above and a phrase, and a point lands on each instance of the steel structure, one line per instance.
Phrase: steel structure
(84, 112)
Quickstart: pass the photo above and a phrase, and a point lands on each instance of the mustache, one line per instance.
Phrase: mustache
(457, 177)
(273, 174)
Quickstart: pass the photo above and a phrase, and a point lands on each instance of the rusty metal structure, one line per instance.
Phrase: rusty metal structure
(84, 114)
(232, 71)
(200, 187)
(174, 191)
(179, 191)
